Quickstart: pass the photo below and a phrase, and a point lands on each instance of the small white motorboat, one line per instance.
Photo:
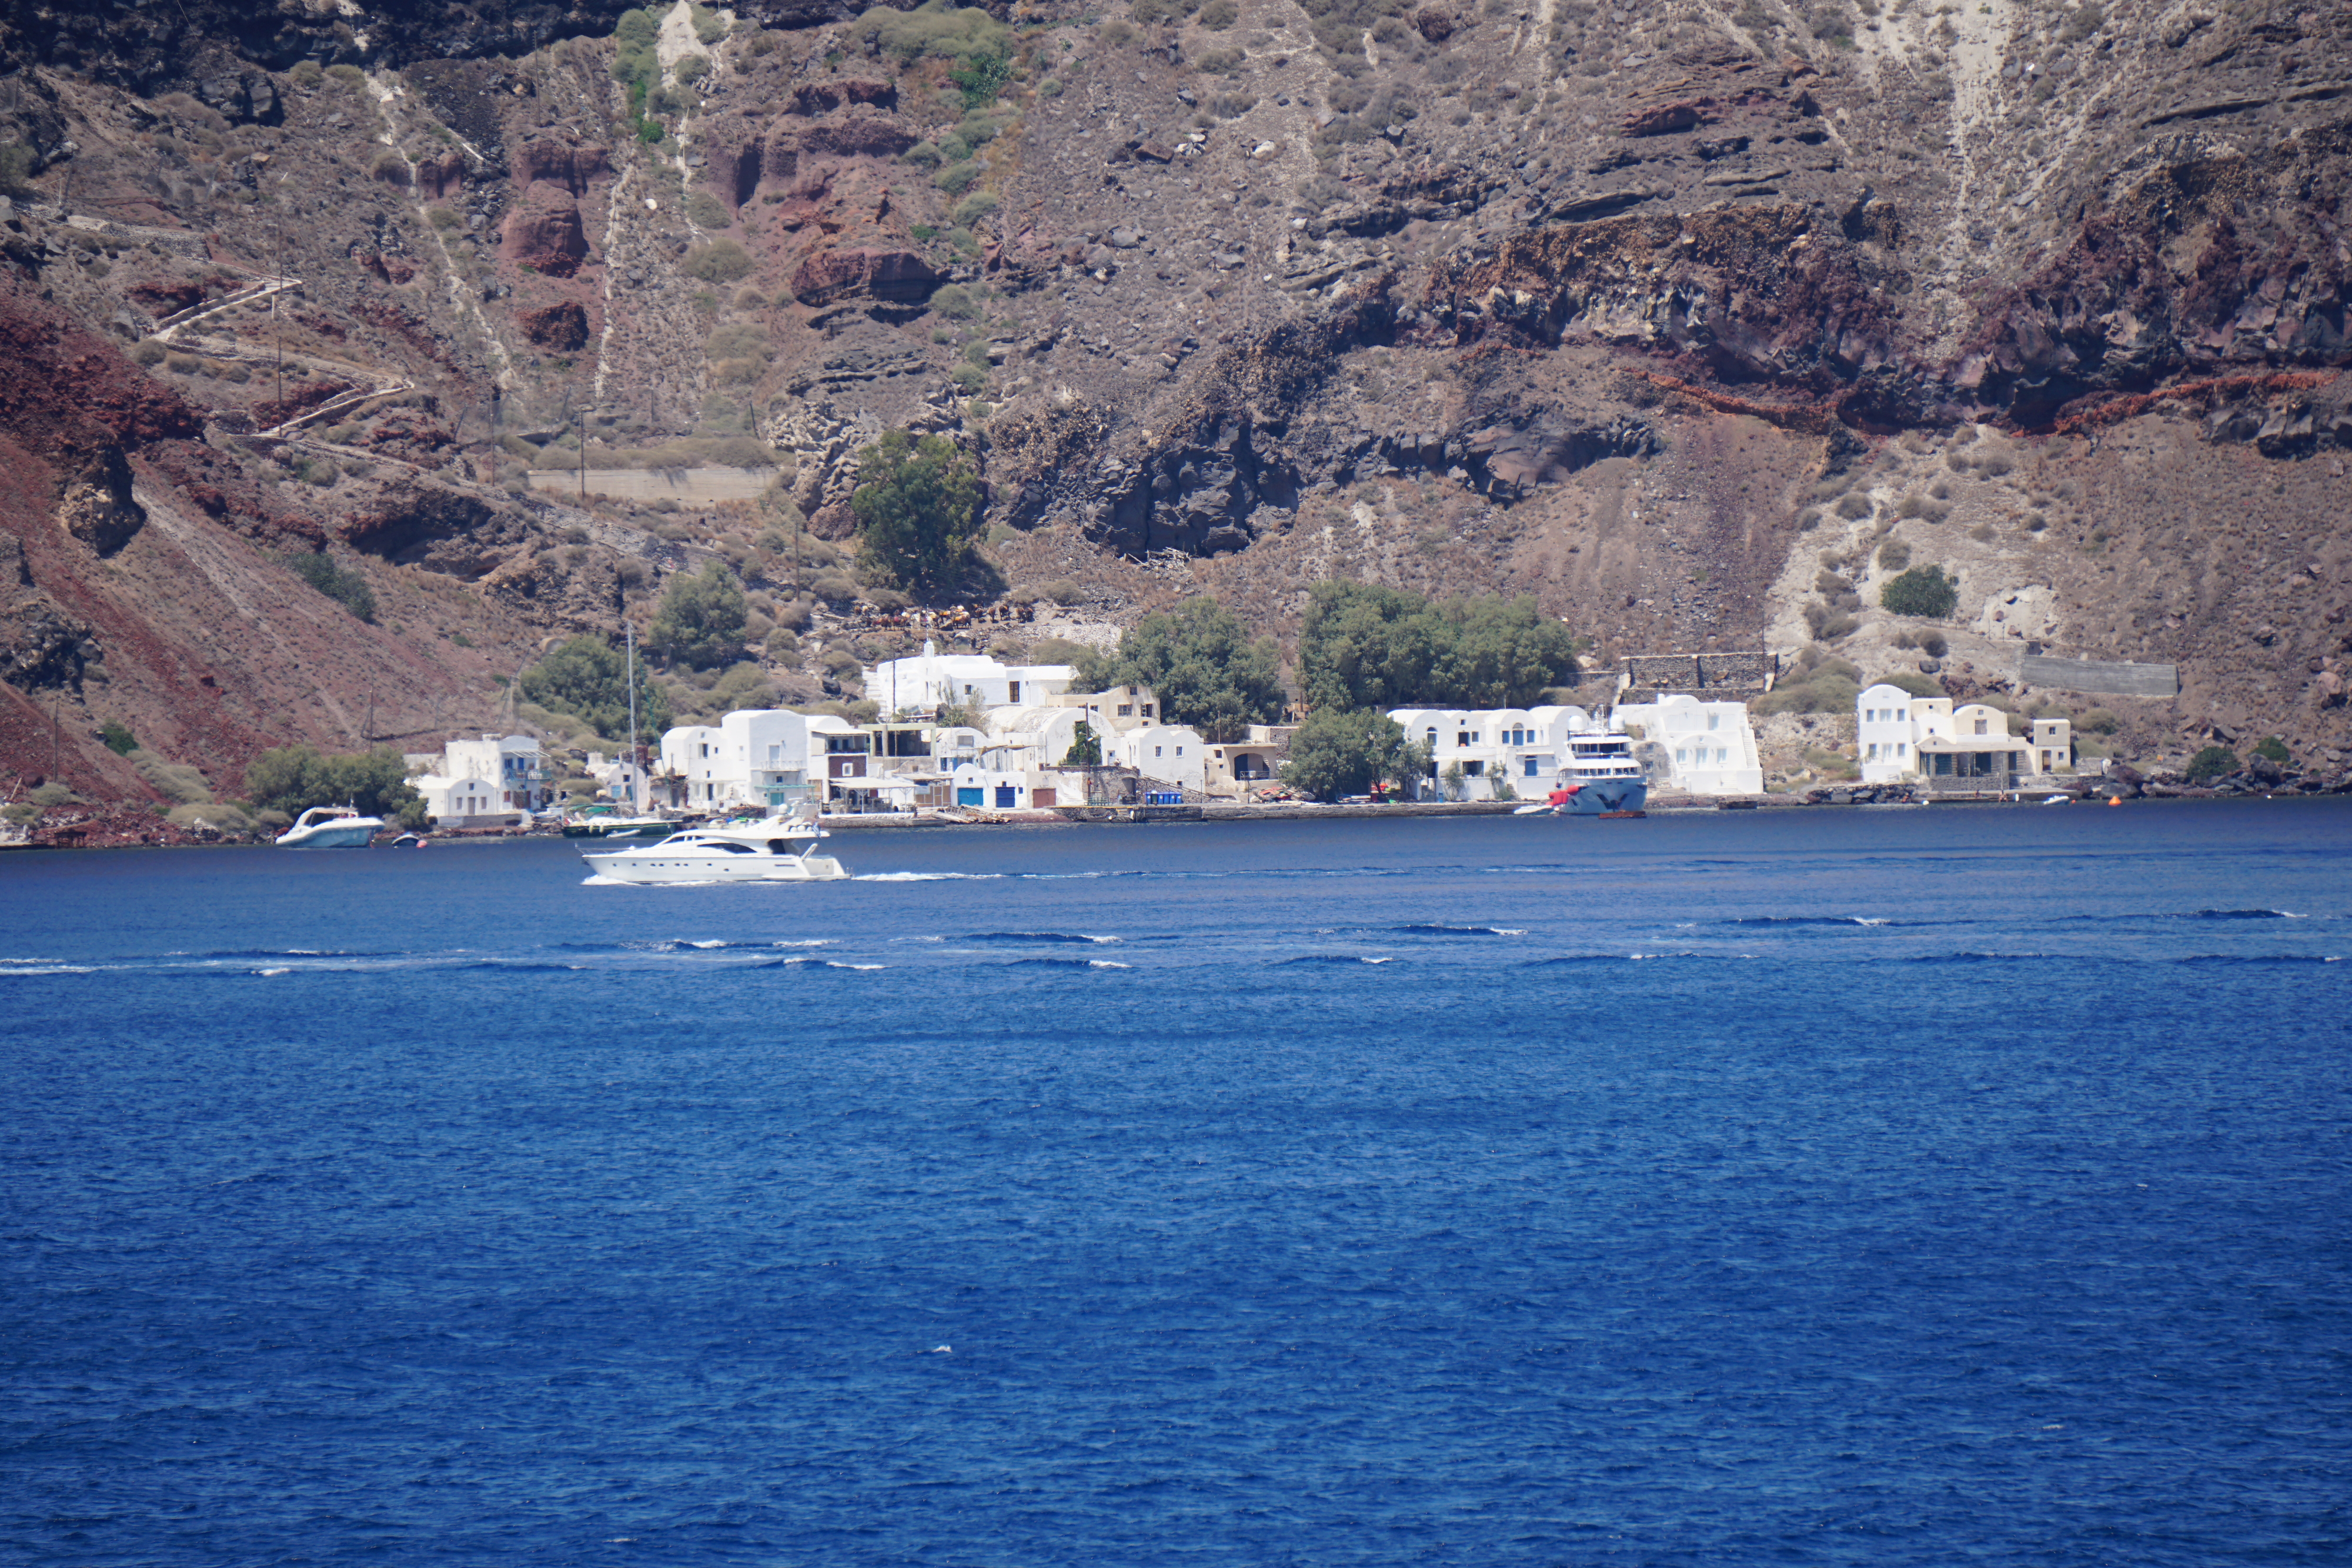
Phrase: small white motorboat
(330, 827)
(775, 849)
(2059, 800)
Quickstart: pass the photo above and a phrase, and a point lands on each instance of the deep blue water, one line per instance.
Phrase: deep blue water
(1848, 1187)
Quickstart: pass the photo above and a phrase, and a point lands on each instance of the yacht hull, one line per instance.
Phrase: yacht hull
(333, 836)
(653, 868)
(1602, 796)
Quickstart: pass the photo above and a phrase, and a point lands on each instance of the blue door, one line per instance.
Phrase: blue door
(972, 796)
(1005, 794)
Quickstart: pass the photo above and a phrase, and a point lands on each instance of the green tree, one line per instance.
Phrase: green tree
(589, 678)
(293, 779)
(2214, 762)
(118, 738)
(1364, 645)
(917, 511)
(1201, 664)
(1923, 590)
(1086, 748)
(1337, 752)
(701, 619)
(2269, 746)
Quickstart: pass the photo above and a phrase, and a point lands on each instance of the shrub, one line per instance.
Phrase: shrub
(1219, 14)
(977, 205)
(2212, 762)
(706, 211)
(691, 68)
(935, 29)
(118, 738)
(955, 302)
(708, 24)
(1823, 685)
(1151, 13)
(1923, 590)
(2272, 747)
(182, 364)
(148, 353)
(176, 781)
(956, 178)
(1894, 555)
(2098, 721)
(720, 261)
(306, 74)
(1853, 508)
(346, 586)
(1932, 643)
(53, 794)
(1918, 685)
(442, 218)
(701, 621)
(923, 156)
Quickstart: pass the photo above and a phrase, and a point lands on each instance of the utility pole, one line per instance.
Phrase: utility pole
(277, 328)
(636, 772)
(584, 456)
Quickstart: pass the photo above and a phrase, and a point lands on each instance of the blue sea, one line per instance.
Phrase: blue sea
(1872, 1187)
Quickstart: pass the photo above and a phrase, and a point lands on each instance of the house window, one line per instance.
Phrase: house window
(1012, 691)
(1713, 720)
(1682, 754)
(1473, 768)
(1462, 737)
(1902, 749)
(1980, 726)
(1531, 763)
(1179, 752)
(775, 753)
(1722, 756)
(1126, 710)
(1156, 750)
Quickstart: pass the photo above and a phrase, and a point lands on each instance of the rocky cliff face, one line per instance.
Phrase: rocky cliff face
(1664, 314)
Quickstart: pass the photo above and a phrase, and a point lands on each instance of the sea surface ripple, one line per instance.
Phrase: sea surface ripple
(1836, 1187)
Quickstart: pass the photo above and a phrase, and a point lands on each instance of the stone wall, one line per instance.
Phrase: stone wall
(2157, 681)
(1695, 672)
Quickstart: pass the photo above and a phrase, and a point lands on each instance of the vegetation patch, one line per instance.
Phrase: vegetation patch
(345, 585)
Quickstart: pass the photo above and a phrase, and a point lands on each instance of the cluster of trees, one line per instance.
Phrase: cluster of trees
(293, 779)
(1362, 650)
(1366, 646)
(1203, 666)
(588, 678)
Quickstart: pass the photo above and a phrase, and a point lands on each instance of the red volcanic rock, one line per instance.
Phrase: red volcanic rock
(825, 97)
(562, 328)
(1664, 120)
(436, 177)
(868, 131)
(544, 232)
(168, 296)
(884, 274)
(560, 163)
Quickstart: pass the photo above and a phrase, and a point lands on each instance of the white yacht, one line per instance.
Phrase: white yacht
(330, 827)
(775, 849)
(1600, 777)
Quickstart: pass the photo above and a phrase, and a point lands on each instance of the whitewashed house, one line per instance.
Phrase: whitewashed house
(459, 802)
(756, 758)
(510, 765)
(1525, 747)
(929, 681)
(1170, 753)
(1709, 748)
(1904, 736)
(1255, 759)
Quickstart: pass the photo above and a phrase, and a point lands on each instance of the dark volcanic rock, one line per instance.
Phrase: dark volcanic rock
(884, 274)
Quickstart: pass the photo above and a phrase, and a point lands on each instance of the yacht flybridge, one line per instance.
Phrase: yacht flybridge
(774, 849)
(1600, 777)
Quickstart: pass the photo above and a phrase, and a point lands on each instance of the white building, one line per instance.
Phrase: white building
(458, 803)
(1525, 747)
(1709, 748)
(931, 680)
(1899, 735)
(1169, 753)
(756, 758)
(1234, 768)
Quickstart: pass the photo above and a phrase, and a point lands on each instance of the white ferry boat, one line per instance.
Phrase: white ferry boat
(330, 827)
(775, 849)
(1600, 777)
